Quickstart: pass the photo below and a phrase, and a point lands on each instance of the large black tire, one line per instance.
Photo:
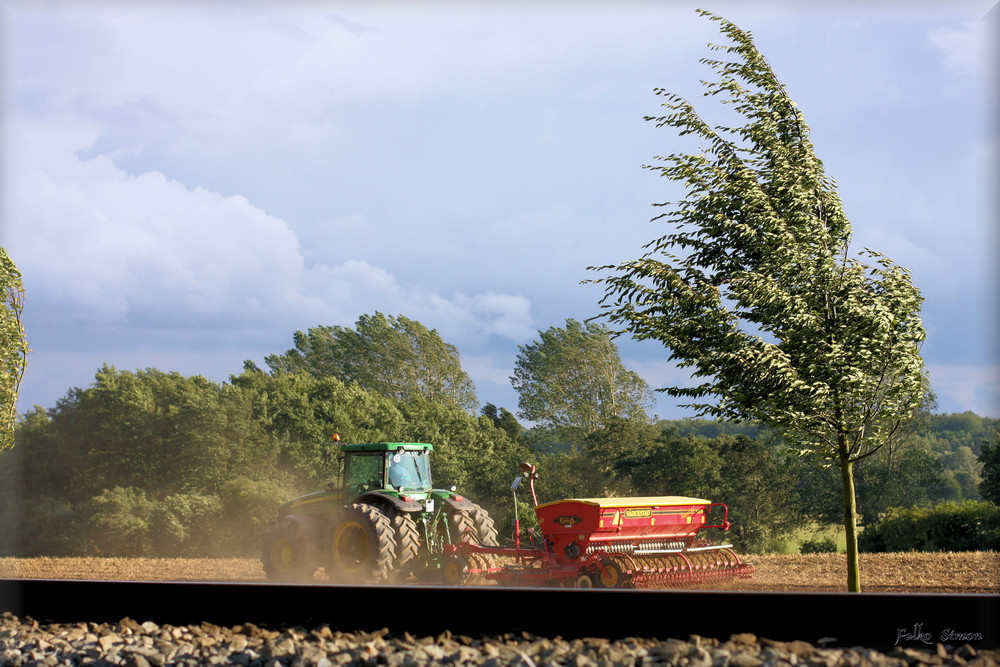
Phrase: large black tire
(359, 545)
(486, 532)
(408, 545)
(290, 550)
(460, 528)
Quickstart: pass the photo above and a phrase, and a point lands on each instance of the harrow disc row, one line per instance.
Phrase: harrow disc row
(681, 570)
(614, 570)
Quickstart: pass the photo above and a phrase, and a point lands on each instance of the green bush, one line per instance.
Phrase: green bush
(819, 545)
(182, 524)
(120, 522)
(968, 526)
(247, 508)
(49, 527)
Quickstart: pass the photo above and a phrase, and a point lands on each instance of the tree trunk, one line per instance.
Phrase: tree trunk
(850, 516)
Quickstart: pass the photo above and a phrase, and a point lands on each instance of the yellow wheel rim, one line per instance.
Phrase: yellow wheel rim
(282, 556)
(351, 547)
(452, 571)
(610, 575)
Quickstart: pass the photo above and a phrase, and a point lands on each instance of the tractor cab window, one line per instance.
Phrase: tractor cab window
(364, 471)
(409, 470)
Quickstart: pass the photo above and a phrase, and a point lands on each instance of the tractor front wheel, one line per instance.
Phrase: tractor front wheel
(289, 552)
(359, 545)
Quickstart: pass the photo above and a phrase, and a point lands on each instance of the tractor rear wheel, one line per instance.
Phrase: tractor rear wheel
(289, 552)
(460, 528)
(360, 546)
(407, 537)
(486, 532)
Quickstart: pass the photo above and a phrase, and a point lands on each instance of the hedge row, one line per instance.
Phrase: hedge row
(968, 526)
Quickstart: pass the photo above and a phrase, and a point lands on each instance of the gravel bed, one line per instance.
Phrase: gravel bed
(24, 642)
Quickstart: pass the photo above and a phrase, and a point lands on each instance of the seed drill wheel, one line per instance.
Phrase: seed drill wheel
(611, 574)
(360, 545)
(455, 570)
(289, 552)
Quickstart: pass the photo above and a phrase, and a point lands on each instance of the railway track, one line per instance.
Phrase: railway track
(873, 620)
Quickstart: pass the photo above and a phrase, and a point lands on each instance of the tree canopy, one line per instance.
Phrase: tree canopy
(574, 377)
(392, 356)
(756, 289)
(163, 464)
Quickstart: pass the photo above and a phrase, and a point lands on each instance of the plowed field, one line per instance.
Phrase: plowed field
(977, 572)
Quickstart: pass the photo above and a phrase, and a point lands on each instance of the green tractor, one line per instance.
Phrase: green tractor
(384, 523)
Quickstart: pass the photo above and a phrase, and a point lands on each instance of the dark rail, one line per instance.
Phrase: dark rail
(871, 620)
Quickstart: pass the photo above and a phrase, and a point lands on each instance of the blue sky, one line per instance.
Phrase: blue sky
(184, 185)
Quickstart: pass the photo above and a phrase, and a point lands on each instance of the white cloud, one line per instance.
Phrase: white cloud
(357, 286)
(222, 70)
(967, 48)
(484, 368)
(107, 246)
(93, 239)
(503, 315)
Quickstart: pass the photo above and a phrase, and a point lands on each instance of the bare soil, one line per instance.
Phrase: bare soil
(975, 572)
(969, 572)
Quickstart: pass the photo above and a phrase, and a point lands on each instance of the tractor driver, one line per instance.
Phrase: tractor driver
(399, 476)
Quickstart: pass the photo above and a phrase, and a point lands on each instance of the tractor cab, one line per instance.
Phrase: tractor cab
(390, 466)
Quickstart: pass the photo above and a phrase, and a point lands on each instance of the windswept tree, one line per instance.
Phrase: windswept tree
(393, 356)
(504, 420)
(573, 377)
(757, 291)
(13, 347)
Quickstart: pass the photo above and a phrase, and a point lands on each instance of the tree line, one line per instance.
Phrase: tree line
(154, 463)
